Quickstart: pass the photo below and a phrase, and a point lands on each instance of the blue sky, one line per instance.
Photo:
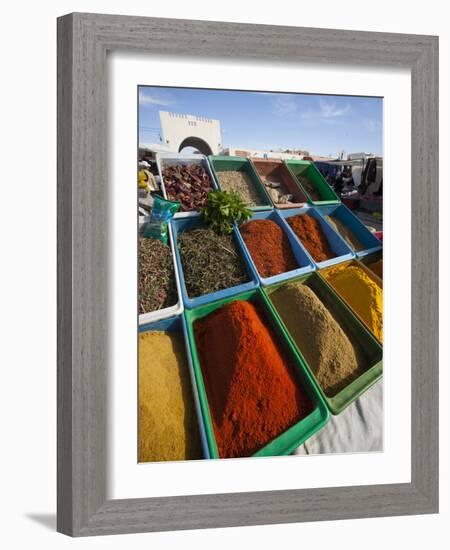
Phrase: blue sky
(321, 124)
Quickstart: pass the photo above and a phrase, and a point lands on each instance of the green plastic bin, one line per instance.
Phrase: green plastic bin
(354, 329)
(289, 440)
(308, 170)
(222, 163)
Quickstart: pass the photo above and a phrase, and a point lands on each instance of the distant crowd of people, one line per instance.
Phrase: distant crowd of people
(340, 177)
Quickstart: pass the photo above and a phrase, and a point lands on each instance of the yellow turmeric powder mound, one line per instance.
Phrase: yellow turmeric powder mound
(168, 427)
(361, 292)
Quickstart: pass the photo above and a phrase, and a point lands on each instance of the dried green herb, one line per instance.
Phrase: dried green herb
(156, 276)
(240, 183)
(210, 261)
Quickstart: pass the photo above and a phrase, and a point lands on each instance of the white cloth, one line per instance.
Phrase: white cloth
(356, 174)
(358, 429)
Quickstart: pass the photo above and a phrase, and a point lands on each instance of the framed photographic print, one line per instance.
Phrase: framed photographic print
(247, 274)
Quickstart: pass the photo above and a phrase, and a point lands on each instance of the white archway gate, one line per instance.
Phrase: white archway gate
(182, 130)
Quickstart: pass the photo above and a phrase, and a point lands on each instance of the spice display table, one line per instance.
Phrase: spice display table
(235, 317)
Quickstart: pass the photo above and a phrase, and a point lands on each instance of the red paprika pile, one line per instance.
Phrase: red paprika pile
(310, 233)
(269, 247)
(252, 392)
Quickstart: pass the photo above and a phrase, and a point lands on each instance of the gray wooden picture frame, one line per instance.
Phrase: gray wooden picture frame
(83, 42)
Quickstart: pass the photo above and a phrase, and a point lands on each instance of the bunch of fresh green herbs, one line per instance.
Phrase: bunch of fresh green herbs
(222, 209)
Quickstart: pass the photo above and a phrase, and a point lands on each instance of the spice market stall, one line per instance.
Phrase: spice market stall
(277, 319)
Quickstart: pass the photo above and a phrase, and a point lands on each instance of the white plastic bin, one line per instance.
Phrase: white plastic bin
(163, 159)
(176, 309)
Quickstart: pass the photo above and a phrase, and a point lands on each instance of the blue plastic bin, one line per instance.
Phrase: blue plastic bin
(305, 263)
(177, 324)
(179, 226)
(338, 245)
(356, 226)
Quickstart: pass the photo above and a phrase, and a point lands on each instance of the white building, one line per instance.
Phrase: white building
(358, 156)
(261, 153)
(181, 130)
(265, 153)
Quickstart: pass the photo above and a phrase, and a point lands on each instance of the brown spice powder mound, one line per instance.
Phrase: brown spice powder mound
(345, 232)
(269, 247)
(325, 346)
(377, 268)
(310, 233)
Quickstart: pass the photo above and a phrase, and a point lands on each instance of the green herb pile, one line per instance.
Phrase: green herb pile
(210, 261)
(222, 209)
(156, 276)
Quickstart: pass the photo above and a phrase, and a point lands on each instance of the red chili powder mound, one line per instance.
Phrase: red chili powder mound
(309, 231)
(252, 392)
(269, 247)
